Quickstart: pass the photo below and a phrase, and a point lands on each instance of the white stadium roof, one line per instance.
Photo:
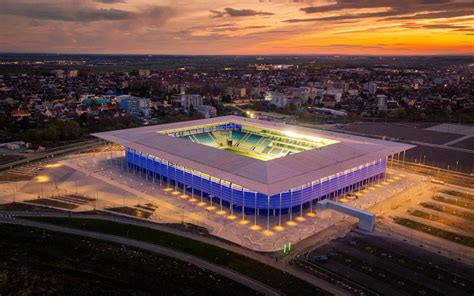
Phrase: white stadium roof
(269, 177)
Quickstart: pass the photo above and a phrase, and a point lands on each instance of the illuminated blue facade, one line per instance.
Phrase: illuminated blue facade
(201, 185)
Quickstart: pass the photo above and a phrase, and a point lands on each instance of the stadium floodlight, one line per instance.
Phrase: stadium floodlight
(301, 136)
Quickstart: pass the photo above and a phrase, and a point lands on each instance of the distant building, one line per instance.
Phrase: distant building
(58, 73)
(190, 100)
(20, 113)
(392, 105)
(275, 98)
(370, 87)
(336, 92)
(382, 102)
(144, 72)
(385, 104)
(353, 92)
(207, 111)
(73, 73)
(134, 105)
(328, 100)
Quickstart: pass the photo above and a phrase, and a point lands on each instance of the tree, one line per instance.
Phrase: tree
(51, 133)
(423, 116)
(401, 113)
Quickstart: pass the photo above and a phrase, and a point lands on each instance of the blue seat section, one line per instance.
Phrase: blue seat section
(229, 126)
(265, 142)
(253, 139)
(240, 197)
(237, 136)
(204, 138)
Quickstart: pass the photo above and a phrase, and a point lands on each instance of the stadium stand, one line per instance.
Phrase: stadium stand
(258, 144)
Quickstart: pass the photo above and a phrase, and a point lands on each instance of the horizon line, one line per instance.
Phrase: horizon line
(249, 54)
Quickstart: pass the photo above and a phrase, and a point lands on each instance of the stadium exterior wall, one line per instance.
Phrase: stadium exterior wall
(200, 185)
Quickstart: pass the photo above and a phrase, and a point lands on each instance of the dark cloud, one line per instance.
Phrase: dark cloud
(110, 1)
(233, 29)
(451, 27)
(399, 5)
(444, 26)
(341, 17)
(396, 10)
(433, 15)
(34, 23)
(434, 1)
(334, 46)
(232, 12)
(84, 14)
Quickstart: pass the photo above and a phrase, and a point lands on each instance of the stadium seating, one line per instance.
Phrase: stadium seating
(263, 145)
(237, 135)
(253, 139)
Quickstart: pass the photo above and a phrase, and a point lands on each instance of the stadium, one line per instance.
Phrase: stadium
(254, 166)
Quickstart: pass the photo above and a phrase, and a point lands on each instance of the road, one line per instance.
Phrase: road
(56, 151)
(237, 277)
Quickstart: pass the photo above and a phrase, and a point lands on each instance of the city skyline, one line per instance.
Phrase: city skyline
(425, 27)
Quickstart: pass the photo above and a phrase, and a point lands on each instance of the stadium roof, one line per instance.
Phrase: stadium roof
(269, 177)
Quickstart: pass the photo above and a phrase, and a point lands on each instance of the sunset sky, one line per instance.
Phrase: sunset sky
(405, 27)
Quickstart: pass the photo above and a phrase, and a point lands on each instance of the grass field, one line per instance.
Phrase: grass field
(449, 210)
(448, 235)
(455, 202)
(131, 212)
(459, 194)
(53, 203)
(435, 218)
(40, 262)
(275, 278)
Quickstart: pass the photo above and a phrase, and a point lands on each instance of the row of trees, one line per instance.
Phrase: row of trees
(54, 131)
(57, 132)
